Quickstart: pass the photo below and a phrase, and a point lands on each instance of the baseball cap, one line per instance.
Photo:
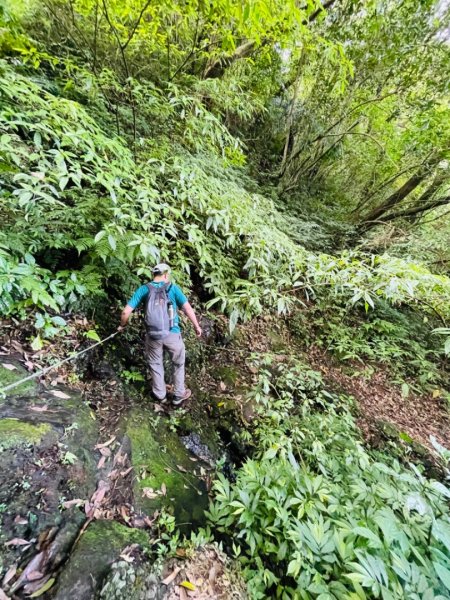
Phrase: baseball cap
(160, 269)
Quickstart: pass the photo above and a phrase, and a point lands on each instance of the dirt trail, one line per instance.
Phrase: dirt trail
(379, 400)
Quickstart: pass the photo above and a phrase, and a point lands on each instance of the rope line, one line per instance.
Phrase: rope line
(56, 365)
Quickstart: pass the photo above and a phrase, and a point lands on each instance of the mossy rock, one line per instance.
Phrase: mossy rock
(277, 341)
(229, 374)
(11, 371)
(14, 433)
(162, 463)
(90, 562)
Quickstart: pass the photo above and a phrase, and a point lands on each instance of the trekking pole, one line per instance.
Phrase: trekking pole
(56, 365)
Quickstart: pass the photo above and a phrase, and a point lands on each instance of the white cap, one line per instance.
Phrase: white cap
(160, 269)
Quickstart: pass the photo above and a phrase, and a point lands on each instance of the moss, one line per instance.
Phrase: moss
(159, 458)
(229, 374)
(9, 376)
(97, 549)
(277, 341)
(113, 535)
(15, 433)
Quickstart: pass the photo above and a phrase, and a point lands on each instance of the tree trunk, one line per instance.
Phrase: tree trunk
(398, 196)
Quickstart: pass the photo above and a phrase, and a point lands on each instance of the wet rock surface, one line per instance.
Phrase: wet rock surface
(165, 475)
(91, 559)
(46, 441)
(78, 489)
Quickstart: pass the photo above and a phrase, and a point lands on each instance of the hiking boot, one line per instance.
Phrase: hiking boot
(178, 400)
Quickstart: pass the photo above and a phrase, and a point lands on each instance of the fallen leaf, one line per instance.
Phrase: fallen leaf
(125, 473)
(149, 522)
(58, 394)
(74, 502)
(39, 408)
(124, 513)
(105, 452)
(34, 575)
(193, 459)
(20, 520)
(18, 542)
(44, 588)
(3, 596)
(182, 469)
(188, 585)
(180, 551)
(213, 572)
(168, 580)
(222, 386)
(9, 574)
(113, 475)
(98, 446)
(9, 367)
(182, 594)
(101, 462)
(163, 489)
(149, 493)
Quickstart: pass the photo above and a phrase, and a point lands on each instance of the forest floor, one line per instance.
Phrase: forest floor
(128, 486)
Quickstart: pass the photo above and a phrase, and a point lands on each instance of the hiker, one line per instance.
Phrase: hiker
(162, 299)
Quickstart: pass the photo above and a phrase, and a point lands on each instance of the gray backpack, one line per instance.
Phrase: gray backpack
(157, 319)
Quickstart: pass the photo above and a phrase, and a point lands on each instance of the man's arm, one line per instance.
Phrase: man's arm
(135, 300)
(189, 312)
(125, 316)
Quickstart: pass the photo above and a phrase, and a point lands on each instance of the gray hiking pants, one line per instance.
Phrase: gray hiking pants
(154, 350)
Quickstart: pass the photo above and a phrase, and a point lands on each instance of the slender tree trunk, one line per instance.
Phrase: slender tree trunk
(398, 196)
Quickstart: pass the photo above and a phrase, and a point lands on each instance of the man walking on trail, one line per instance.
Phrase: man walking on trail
(162, 299)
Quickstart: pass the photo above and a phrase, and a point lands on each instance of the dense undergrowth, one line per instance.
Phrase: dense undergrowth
(85, 217)
(315, 514)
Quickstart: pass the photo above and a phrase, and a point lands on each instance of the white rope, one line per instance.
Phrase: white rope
(56, 365)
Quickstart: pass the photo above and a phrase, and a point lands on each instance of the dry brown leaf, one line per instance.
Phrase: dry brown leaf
(19, 520)
(222, 386)
(149, 493)
(39, 408)
(182, 593)
(18, 542)
(34, 575)
(125, 473)
(163, 489)
(101, 462)
(9, 574)
(74, 502)
(105, 452)
(168, 580)
(109, 442)
(113, 475)
(182, 469)
(9, 366)
(100, 492)
(60, 394)
(125, 513)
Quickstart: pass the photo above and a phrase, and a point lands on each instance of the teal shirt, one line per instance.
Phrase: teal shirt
(175, 294)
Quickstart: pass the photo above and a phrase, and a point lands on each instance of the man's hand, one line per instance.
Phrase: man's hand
(198, 331)
(124, 317)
